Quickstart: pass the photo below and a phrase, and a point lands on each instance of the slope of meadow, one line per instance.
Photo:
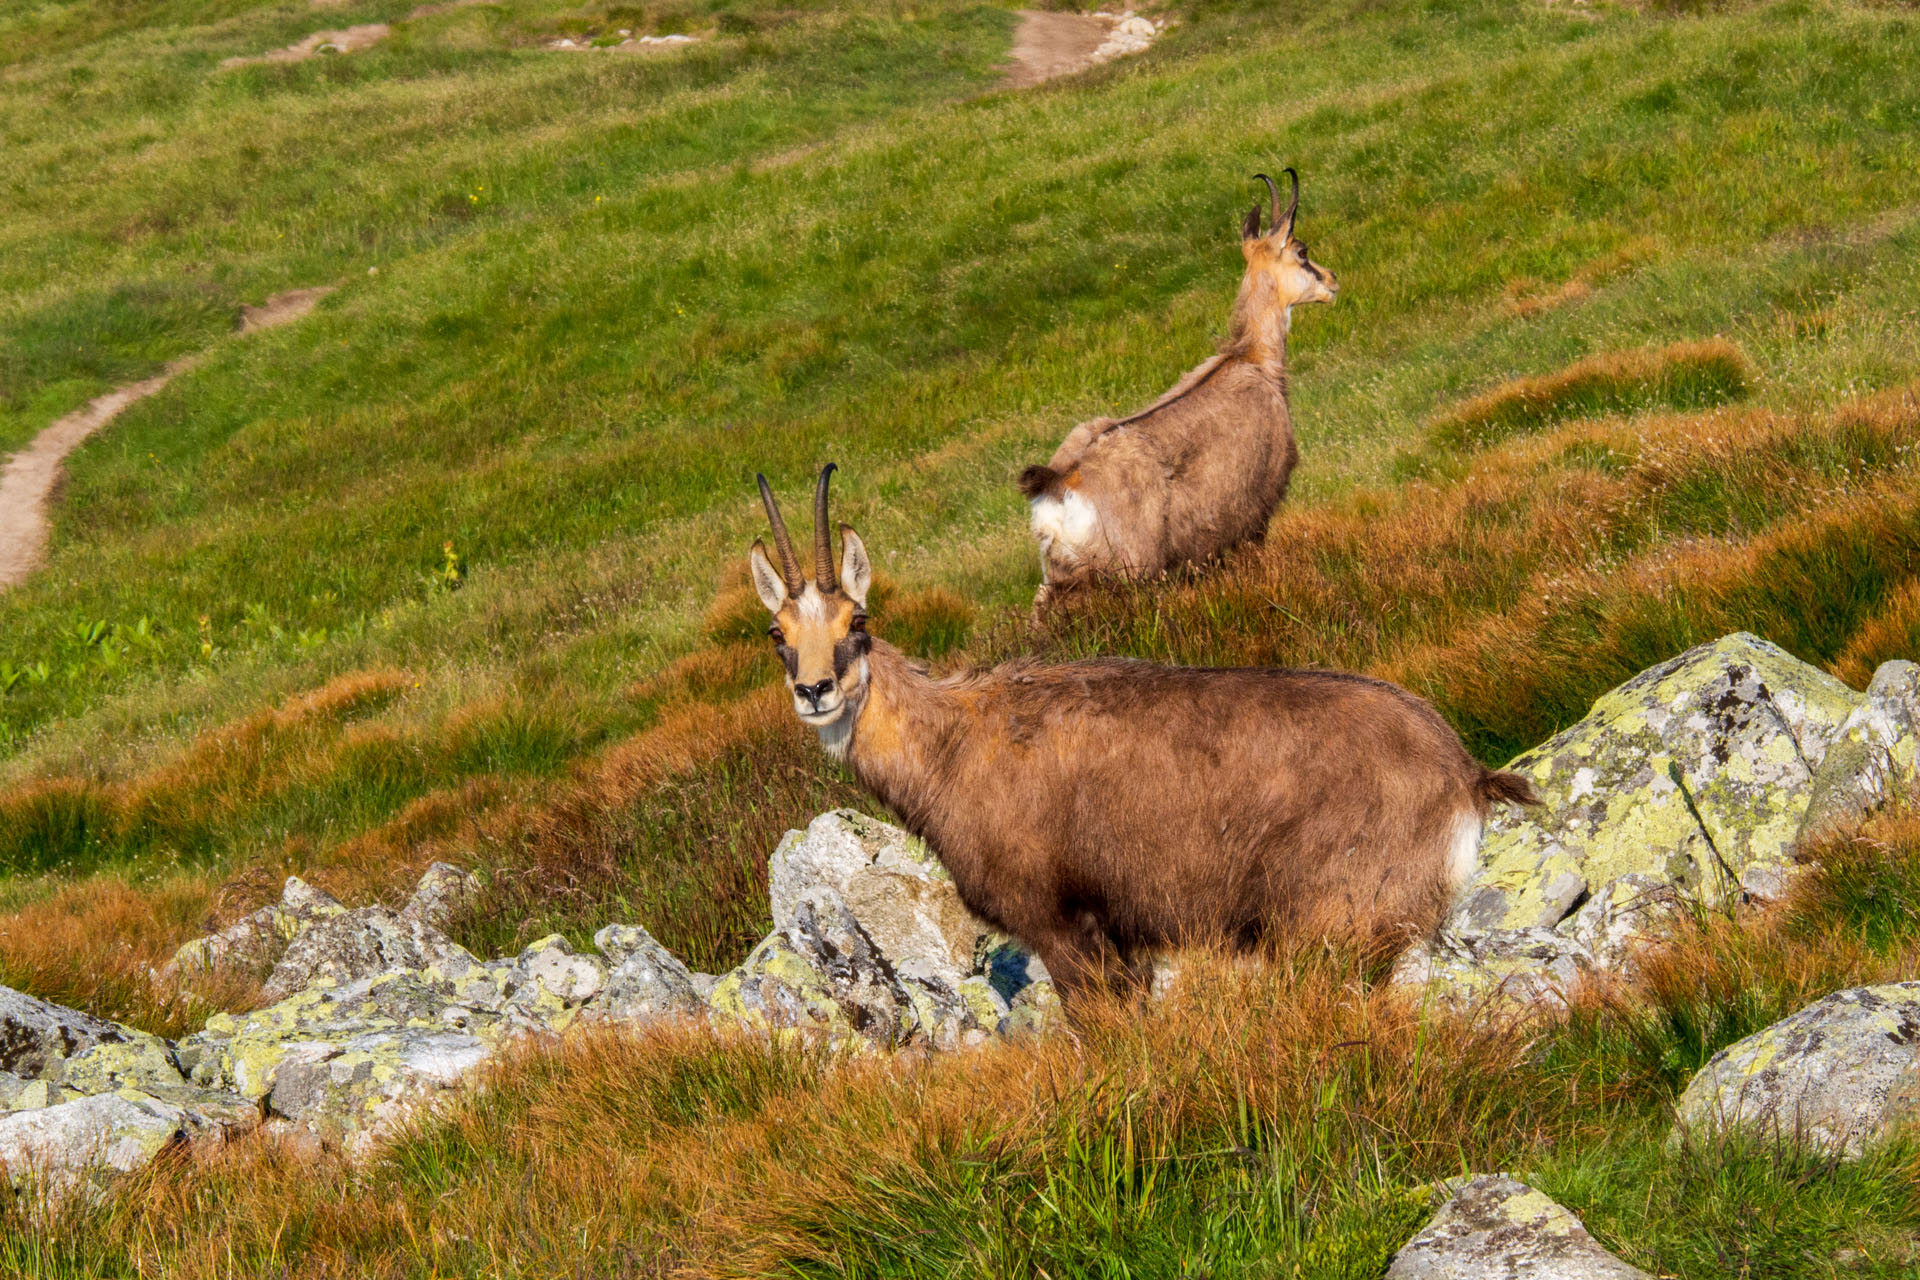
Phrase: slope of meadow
(1625, 358)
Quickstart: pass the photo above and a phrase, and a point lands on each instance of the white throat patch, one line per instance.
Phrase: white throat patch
(836, 738)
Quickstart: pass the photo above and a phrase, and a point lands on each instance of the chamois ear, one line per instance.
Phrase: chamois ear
(1250, 229)
(767, 582)
(856, 571)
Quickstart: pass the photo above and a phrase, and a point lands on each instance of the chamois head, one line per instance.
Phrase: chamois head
(819, 627)
(1277, 264)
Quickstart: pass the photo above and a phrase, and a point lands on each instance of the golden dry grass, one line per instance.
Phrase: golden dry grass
(1292, 1081)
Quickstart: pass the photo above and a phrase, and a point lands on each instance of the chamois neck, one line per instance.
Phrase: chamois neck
(1260, 322)
(903, 725)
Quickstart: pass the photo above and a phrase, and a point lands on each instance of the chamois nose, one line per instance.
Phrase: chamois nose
(814, 692)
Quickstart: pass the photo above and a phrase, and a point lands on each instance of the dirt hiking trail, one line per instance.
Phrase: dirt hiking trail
(28, 481)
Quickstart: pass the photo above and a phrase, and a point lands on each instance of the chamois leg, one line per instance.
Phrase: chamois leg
(1079, 956)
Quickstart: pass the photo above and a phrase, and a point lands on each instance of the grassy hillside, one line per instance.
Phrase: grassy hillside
(1625, 357)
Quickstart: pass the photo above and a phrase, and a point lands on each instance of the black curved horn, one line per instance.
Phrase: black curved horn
(822, 539)
(789, 567)
(1273, 205)
(1292, 208)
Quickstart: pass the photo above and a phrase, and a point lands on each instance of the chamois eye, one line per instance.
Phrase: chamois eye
(1303, 250)
(777, 635)
(859, 622)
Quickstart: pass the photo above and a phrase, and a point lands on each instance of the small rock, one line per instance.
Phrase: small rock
(443, 892)
(888, 880)
(37, 1037)
(1495, 1228)
(553, 977)
(257, 941)
(1872, 760)
(1838, 1076)
(646, 981)
(362, 943)
(1513, 970)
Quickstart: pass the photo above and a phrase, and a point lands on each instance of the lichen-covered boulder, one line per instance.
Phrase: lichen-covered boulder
(1746, 724)
(1496, 1228)
(256, 941)
(37, 1037)
(59, 1146)
(1836, 1077)
(1872, 760)
(1684, 789)
(890, 882)
(361, 943)
(645, 980)
(872, 941)
(443, 892)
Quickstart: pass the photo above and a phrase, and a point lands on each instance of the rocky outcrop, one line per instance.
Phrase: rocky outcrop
(360, 944)
(1495, 1228)
(1837, 1077)
(256, 942)
(1684, 789)
(79, 1096)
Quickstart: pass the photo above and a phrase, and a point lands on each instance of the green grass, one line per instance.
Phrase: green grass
(584, 298)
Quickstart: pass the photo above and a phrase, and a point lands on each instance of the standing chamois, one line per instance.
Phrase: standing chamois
(1201, 469)
(1096, 810)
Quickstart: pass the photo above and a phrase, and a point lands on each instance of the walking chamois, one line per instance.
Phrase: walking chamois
(1100, 809)
(1200, 470)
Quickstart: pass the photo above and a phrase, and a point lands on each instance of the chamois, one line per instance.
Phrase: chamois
(1099, 809)
(1201, 469)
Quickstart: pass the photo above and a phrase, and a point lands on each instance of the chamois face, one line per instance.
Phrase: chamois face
(1296, 278)
(1278, 266)
(819, 628)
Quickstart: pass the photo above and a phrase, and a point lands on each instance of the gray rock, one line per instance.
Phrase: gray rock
(1872, 760)
(255, 942)
(1619, 848)
(646, 981)
(872, 942)
(821, 972)
(57, 1147)
(1838, 1076)
(348, 1062)
(362, 943)
(1505, 970)
(37, 1037)
(1495, 1228)
(891, 883)
(549, 979)
(443, 893)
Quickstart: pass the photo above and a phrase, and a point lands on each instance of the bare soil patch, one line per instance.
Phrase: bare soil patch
(346, 40)
(1047, 45)
(31, 475)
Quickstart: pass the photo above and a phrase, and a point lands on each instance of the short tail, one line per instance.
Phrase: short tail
(1037, 480)
(1509, 787)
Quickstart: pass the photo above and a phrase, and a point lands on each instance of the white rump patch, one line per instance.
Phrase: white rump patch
(1065, 524)
(1463, 850)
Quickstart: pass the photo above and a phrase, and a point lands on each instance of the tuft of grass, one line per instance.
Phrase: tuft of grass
(1685, 375)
